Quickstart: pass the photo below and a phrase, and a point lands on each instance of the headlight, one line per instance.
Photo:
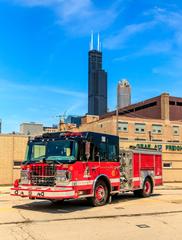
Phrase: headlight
(62, 176)
(24, 177)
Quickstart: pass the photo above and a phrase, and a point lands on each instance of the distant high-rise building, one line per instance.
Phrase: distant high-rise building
(97, 81)
(123, 94)
(73, 119)
(31, 128)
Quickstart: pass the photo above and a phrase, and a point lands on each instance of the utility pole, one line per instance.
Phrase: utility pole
(117, 118)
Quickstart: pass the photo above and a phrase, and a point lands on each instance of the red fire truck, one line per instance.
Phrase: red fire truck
(88, 165)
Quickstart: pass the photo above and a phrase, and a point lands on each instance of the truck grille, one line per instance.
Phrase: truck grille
(43, 175)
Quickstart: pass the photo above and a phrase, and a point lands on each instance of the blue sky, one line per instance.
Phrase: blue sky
(44, 49)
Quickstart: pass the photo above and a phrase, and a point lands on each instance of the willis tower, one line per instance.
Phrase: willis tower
(97, 81)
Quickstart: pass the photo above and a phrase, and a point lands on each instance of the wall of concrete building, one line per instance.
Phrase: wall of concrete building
(12, 152)
(31, 129)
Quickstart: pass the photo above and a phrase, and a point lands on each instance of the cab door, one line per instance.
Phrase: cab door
(109, 164)
(93, 161)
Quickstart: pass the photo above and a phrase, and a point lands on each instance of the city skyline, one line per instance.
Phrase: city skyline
(44, 46)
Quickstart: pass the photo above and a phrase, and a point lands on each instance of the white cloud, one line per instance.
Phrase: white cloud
(159, 17)
(153, 48)
(172, 21)
(64, 92)
(6, 86)
(78, 16)
(169, 44)
(119, 40)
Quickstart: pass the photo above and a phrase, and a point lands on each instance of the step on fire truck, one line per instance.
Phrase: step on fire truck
(70, 165)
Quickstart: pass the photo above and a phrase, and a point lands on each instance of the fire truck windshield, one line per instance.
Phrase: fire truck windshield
(62, 150)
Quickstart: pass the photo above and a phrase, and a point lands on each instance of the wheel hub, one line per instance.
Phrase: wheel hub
(147, 187)
(100, 193)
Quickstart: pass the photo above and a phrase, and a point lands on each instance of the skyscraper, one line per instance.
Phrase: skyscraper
(97, 81)
(123, 94)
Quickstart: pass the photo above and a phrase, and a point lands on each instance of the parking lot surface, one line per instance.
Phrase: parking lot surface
(127, 217)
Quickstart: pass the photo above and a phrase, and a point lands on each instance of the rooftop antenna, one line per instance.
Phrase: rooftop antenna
(98, 43)
(92, 41)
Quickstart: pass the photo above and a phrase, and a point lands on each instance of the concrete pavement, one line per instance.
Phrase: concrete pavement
(157, 217)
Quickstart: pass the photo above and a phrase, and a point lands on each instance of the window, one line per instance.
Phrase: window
(167, 165)
(123, 126)
(156, 128)
(123, 139)
(171, 102)
(102, 152)
(38, 151)
(112, 153)
(81, 152)
(17, 163)
(139, 127)
(176, 130)
(146, 106)
(179, 103)
(140, 139)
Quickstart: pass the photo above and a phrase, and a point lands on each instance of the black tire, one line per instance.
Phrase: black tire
(101, 194)
(146, 191)
(137, 193)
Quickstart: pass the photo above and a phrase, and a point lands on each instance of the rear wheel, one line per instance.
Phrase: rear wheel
(100, 194)
(146, 191)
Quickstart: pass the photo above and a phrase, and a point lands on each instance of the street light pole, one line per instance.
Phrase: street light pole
(117, 114)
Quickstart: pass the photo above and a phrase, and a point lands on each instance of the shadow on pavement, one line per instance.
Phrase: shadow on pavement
(69, 206)
(47, 206)
(128, 197)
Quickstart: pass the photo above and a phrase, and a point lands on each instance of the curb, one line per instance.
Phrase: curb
(4, 192)
(169, 188)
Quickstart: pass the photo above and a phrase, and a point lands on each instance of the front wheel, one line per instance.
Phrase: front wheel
(100, 194)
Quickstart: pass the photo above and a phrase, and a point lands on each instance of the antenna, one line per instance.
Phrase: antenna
(98, 43)
(92, 41)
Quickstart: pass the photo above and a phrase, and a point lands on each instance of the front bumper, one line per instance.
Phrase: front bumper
(43, 192)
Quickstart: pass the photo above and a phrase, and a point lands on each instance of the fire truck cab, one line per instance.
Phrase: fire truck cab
(69, 165)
